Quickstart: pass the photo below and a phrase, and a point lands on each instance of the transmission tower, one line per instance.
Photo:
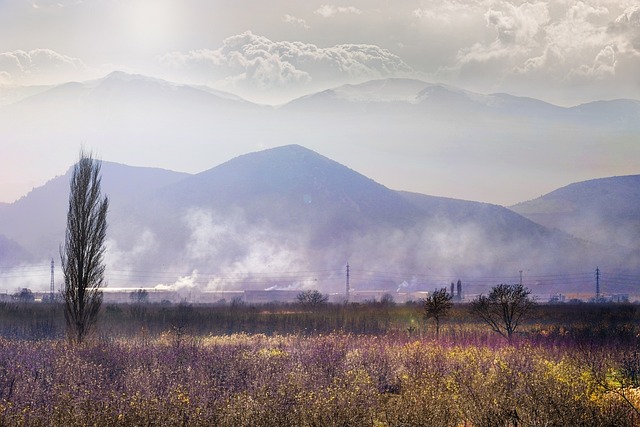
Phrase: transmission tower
(348, 289)
(52, 286)
(597, 284)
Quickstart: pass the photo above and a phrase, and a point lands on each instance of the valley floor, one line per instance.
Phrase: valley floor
(560, 371)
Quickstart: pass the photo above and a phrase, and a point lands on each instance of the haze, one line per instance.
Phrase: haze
(565, 54)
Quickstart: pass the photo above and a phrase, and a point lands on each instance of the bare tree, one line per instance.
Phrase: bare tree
(503, 308)
(437, 305)
(83, 251)
(312, 298)
(139, 300)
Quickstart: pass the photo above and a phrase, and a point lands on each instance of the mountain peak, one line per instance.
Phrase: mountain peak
(289, 183)
(123, 76)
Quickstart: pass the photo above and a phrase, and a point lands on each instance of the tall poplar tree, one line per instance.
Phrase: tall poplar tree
(82, 255)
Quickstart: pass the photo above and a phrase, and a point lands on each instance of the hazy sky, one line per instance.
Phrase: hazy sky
(565, 52)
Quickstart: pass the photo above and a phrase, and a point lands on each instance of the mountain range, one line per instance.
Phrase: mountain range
(605, 211)
(292, 218)
(409, 134)
(286, 216)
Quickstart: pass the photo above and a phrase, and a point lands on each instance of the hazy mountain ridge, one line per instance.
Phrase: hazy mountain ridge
(117, 82)
(38, 219)
(12, 254)
(604, 211)
(291, 209)
(288, 172)
(118, 85)
(419, 125)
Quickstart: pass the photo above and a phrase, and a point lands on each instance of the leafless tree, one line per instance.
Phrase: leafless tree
(83, 251)
(312, 298)
(503, 308)
(437, 305)
(139, 301)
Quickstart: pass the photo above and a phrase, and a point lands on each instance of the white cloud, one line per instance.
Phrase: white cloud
(329, 10)
(54, 3)
(518, 24)
(298, 22)
(5, 78)
(39, 66)
(627, 26)
(629, 20)
(248, 62)
(556, 48)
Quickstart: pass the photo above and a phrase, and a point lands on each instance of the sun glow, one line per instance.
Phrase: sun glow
(151, 23)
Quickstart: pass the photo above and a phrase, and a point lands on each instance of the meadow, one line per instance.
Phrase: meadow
(283, 365)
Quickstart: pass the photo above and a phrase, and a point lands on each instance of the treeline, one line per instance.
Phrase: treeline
(585, 322)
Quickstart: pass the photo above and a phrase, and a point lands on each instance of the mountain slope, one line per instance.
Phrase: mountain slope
(605, 211)
(12, 254)
(293, 209)
(406, 133)
(299, 181)
(290, 217)
(38, 219)
(130, 117)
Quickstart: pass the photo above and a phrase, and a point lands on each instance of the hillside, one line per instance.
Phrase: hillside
(291, 218)
(38, 219)
(408, 134)
(12, 254)
(604, 211)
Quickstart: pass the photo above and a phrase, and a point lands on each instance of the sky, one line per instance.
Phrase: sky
(563, 52)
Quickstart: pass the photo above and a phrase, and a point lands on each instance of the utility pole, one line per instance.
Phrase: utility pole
(521, 278)
(597, 284)
(348, 289)
(52, 286)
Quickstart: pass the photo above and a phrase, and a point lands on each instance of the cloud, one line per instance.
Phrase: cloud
(627, 26)
(39, 66)
(54, 3)
(517, 30)
(329, 10)
(604, 65)
(557, 48)
(298, 22)
(247, 63)
(5, 78)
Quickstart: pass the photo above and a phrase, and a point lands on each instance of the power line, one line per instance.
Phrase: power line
(359, 276)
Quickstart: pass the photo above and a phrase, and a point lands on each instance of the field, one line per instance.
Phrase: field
(282, 365)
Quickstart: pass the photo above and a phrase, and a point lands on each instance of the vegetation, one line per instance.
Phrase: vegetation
(437, 305)
(348, 365)
(139, 301)
(84, 246)
(312, 298)
(503, 308)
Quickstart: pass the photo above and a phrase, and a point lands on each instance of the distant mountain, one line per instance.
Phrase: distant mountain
(134, 87)
(397, 130)
(12, 254)
(604, 211)
(12, 94)
(619, 111)
(417, 97)
(136, 114)
(291, 209)
(38, 220)
(125, 99)
(291, 184)
(289, 217)
(381, 95)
